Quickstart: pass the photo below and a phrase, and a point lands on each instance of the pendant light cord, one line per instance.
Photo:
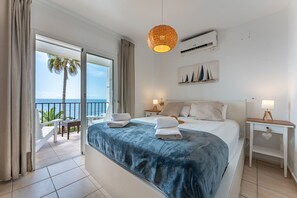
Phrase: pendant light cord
(162, 13)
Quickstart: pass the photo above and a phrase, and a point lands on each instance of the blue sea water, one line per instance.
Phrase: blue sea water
(95, 107)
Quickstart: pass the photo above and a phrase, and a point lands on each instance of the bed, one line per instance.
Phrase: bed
(119, 182)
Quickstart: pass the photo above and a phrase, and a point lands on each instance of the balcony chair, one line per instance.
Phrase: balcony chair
(44, 132)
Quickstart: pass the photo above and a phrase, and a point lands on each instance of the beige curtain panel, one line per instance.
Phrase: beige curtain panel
(127, 78)
(16, 118)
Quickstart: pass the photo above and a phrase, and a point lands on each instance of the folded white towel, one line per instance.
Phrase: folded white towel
(166, 122)
(117, 124)
(172, 133)
(120, 116)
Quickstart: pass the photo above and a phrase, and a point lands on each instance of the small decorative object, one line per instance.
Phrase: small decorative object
(155, 102)
(268, 105)
(162, 38)
(179, 121)
(199, 73)
(267, 135)
(161, 103)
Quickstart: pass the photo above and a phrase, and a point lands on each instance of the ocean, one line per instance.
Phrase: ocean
(95, 107)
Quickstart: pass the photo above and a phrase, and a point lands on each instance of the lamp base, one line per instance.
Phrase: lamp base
(267, 116)
(155, 108)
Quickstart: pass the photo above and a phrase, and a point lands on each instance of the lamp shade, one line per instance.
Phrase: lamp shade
(267, 104)
(162, 38)
(155, 101)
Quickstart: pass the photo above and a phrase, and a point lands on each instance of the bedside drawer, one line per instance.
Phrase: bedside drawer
(262, 127)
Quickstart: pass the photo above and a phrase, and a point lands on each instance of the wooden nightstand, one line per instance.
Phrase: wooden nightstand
(150, 112)
(276, 126)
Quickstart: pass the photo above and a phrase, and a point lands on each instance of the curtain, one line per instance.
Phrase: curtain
(126, 78)
(16, 119)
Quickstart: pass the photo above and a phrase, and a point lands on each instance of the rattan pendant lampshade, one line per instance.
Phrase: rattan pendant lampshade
(162, 38)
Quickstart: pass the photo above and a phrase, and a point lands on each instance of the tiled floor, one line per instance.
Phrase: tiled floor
(63, 149)
(70, 179)
(265, 180)
(67, 179)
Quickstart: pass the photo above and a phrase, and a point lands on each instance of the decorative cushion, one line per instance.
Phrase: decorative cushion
(185, 111)
(208, 111)
(172, 108)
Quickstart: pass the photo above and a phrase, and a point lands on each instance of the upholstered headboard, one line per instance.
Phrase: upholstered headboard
(236, 111)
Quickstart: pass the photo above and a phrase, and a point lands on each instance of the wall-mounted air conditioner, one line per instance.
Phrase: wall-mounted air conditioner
(198, 43)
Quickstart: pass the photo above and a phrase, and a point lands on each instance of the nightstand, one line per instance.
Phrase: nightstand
(277, 127)
(150, 112)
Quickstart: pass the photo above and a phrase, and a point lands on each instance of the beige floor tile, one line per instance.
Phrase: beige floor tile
(95, 182)
(69, 155)
(250, 174)
(273, 179)
(83, 168)
(266, 193)
(248, 189)
(45, 148)
(52, 195)
(46, 162)
(5, 187)
(273, 165)
(97, 194)
(31, 178)
(45, 155)
(61, 167)
(64, 149)
(8, 195)
(106, 194)
(35, 190)
(68, 177)
(78, 189)
(80, 160)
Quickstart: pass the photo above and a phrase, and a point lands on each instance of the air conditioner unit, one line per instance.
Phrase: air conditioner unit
(198, 43)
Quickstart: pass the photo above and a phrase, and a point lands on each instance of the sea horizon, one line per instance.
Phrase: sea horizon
(95, 107)
(59, 100)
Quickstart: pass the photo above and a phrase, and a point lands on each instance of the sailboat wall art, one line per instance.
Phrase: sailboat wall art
(199, 73)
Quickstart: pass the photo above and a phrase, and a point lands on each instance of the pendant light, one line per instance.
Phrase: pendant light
(162, 38)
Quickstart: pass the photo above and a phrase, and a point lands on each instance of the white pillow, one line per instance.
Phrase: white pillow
(193, 110)
(185, 111)
(209, 111)
(224, 111)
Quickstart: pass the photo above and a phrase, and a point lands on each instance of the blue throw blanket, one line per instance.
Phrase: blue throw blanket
(192, 167)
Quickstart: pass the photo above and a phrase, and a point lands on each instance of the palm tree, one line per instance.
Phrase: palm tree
(50, 115)
(68, 66)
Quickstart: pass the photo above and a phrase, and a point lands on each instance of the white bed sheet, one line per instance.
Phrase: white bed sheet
(228, 130)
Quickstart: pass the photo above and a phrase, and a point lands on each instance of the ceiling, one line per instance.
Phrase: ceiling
(134, 18)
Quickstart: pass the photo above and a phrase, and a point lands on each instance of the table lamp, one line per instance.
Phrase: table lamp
(268, 105)
(155, 102)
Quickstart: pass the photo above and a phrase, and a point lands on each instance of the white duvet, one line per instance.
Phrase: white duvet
(228, 130)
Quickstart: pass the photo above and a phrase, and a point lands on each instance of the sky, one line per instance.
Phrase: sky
(50, 85)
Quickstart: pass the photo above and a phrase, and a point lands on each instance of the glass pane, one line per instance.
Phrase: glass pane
(98, 89)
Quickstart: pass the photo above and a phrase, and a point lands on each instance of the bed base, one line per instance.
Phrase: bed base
(120, 183)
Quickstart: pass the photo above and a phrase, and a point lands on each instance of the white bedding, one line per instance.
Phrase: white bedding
(228, 130)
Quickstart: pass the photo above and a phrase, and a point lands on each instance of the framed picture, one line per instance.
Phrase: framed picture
(199, 73)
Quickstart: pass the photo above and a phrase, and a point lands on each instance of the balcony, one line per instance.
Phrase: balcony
(51, 152)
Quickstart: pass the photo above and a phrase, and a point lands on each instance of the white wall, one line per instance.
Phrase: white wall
(253, 63)
(60, 24)
(254, 67)
(292, 62)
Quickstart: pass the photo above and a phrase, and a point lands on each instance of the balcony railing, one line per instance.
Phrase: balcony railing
(72, 109)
